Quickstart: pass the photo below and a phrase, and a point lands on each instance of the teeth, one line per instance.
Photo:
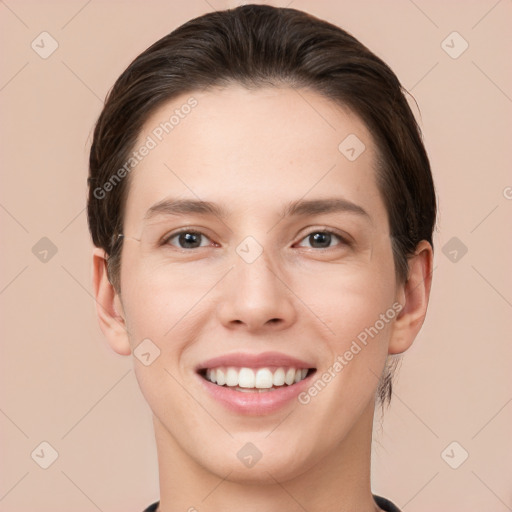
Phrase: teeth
(244, 379)
(231, 377)
(263, 378)
(221, 378)
(290, 376)
(278, 378)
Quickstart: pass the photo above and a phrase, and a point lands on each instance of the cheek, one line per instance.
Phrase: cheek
(358, 309)
(161, 301)
(351, 299)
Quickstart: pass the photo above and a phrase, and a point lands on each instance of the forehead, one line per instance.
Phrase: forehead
(252, 150)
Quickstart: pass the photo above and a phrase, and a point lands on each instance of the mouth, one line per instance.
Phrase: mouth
(255, 380)
(255, 384)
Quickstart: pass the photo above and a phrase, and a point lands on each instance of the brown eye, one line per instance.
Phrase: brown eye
(186, 239)
(323, 239)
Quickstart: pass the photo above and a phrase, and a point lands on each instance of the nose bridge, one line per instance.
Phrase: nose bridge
(257, 276)
(256, 294)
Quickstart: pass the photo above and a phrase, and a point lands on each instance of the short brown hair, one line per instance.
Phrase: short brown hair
(264, 46)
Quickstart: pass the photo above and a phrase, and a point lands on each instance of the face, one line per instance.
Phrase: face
(288, 282)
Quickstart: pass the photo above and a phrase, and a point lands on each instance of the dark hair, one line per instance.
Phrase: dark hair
(261, 46)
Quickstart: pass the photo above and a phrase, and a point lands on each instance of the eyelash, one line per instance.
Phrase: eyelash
(344, 240)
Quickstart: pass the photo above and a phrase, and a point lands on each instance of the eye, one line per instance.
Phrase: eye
(187, 239)
(190, 239)
(322, 239)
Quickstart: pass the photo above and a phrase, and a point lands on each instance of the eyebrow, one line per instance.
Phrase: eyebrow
(299, 208)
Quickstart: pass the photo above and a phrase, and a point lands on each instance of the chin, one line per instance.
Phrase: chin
(273, 465)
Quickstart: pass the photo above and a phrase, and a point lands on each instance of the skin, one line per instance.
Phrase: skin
(252, 152)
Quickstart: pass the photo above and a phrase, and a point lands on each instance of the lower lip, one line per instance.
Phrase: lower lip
(254, 403)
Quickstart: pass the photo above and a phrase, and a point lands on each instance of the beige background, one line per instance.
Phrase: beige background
(61, 383)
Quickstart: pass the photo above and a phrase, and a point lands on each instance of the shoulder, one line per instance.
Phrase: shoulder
(152, 508)
(385, 504)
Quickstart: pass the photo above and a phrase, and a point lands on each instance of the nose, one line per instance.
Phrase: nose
(256, 298)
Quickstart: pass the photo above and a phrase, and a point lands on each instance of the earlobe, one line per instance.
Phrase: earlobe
(413, 295)
(109, 308)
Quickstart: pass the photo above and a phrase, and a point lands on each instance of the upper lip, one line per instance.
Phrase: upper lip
(244, 360)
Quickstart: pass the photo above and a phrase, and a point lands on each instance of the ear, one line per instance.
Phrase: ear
(413, 295)
(108, 306)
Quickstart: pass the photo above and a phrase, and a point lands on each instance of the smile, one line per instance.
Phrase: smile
(255, 380)
(255, 384)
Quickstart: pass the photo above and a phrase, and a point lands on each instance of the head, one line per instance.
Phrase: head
(253, 109)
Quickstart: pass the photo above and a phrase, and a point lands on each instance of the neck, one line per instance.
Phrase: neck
(338, 481)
